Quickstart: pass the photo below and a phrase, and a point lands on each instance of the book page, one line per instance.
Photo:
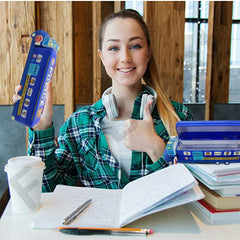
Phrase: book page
(191, 195)
(102, 212)
(148, 192)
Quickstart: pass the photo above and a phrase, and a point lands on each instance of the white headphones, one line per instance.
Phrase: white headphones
(110, 103)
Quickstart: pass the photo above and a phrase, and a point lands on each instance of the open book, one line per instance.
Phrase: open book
(166, 188)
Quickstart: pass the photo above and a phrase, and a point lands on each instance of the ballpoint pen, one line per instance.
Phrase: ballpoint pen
(109, 231)
(76, 212)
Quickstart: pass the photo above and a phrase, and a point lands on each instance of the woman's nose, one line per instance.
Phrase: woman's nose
(126, 55)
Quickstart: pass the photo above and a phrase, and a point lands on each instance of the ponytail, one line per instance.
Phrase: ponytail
(165, 108)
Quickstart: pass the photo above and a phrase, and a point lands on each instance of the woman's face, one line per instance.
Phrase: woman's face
(125, 52)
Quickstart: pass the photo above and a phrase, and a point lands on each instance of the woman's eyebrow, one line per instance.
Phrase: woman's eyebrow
(134, 38)
(130, 39)
(113, 40)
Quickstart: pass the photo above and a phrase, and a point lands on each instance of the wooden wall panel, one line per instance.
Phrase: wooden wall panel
(166, 21)
(219, 41)
(17, 21)
(119, 5)
(79, 22)
(83, 50)
(97, 71)
(106, 8)
(56, 19)
(100, 79)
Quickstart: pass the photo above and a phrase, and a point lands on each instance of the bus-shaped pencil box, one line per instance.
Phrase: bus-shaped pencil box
(37, 73)
(205, 142)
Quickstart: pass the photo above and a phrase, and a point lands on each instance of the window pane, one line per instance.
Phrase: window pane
(190, 62)
(202, 62)
(194, 78)
(191, 9)
(136, 5)
(234, 86)
(195, 55)
(235, 45)
(236, 10)
(204, 9)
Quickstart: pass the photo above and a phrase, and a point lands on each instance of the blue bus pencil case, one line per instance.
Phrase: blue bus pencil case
(37, 73)
(205, 142)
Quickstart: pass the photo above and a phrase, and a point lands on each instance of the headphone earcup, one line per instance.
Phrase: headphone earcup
(110, 105)
(145, 99)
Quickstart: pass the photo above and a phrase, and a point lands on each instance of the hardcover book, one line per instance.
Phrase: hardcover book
(219, 202)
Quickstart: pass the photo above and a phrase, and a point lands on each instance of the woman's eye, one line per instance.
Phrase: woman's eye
(113, 49)
(137, 46)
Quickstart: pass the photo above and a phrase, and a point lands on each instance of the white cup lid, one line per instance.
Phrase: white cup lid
(23, 161)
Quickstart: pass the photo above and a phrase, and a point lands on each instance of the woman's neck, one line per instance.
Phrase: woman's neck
(125, 97)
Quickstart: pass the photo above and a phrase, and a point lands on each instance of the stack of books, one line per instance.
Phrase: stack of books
(221, 187)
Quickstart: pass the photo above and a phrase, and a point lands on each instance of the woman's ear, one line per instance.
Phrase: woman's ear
(149, 52)
(100, 55)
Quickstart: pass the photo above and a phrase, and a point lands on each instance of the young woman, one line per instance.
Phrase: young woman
(122, 136)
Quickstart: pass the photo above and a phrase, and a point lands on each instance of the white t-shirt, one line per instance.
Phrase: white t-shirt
(113, 131)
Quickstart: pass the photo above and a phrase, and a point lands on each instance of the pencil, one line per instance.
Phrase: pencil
(109, 231)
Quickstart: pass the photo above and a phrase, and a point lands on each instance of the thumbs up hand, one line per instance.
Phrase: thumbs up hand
(140, 135)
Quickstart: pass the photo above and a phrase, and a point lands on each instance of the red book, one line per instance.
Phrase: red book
(215, 210)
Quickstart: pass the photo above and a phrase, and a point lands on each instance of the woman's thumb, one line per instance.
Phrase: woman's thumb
(147, 111)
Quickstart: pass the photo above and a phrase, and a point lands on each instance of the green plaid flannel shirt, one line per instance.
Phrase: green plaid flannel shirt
(82, 153)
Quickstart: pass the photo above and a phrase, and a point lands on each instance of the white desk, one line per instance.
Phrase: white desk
(176, 223)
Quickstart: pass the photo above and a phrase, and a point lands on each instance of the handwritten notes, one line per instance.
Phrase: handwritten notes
(163, 189)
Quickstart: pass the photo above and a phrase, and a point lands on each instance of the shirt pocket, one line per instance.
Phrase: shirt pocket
(89, 155)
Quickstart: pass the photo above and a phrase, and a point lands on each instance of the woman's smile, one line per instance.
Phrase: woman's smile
(126, 70)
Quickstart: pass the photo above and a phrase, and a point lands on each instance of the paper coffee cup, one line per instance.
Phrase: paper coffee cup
(25, 182)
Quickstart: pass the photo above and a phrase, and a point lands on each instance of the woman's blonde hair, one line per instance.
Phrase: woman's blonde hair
(151, 77)
(165, 108)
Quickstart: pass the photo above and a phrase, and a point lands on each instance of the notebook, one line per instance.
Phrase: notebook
(166, 188)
